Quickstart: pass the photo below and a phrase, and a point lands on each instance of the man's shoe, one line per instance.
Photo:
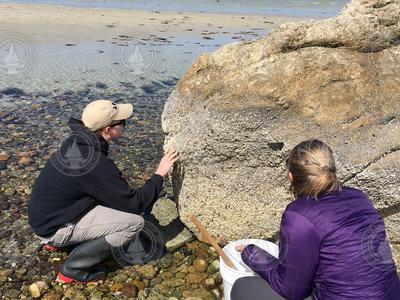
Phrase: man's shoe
(97, 273)
(83, 263)
(50, 247)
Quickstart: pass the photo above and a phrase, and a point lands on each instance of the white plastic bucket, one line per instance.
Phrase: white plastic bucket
(230, 275)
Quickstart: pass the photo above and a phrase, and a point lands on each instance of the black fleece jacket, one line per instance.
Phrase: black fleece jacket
(60, 195)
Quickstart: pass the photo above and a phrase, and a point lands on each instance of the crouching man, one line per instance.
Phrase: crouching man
(81, 196)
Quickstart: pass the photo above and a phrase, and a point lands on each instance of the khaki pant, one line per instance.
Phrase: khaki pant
(116, 226)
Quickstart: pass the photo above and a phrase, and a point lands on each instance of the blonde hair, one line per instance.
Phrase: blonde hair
(313, 169)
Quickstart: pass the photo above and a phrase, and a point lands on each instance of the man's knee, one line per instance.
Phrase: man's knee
(136, 224)
(133, 225)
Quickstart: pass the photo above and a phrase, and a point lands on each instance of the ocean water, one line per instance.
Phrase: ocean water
(303, 8)
(104, 65)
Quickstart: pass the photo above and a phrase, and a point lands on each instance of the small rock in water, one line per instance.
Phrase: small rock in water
(92, 285)
(3, 115)
(120, 278)
(71, 293)
(51, 296)
(174, 282)
(38, 288)
(179, 256)
(147, 272)
(118, 286)
(96, 296)
(31, 168)
(216, 293)
(4, 275)
(3, 161)
(25, 160)
(165, 262)
(213, 267)
(14, 92)
(3, 165)
(130, 290)
(12, 294)
(210, 283)
(194, 278)
(101, 85)
(200, 265)
(139, 284)
(21, 272)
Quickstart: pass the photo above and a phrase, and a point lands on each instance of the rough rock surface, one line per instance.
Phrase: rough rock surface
(165, 217)
(237, 112)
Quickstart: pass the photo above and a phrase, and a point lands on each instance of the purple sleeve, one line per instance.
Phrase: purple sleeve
(292, 275)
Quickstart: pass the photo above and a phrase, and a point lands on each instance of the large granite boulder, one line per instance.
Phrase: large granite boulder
(237, 112)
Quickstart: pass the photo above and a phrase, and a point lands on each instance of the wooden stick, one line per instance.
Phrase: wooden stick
(210, 239)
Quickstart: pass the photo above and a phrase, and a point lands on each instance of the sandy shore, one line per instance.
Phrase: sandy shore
(46, 23)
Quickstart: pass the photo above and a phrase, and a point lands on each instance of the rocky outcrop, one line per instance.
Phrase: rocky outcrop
(237, 112)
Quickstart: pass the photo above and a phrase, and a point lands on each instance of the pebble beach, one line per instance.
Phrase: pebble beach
(53, 61)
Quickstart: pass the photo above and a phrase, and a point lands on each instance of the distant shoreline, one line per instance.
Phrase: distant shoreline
(301, 11)
(69, 23)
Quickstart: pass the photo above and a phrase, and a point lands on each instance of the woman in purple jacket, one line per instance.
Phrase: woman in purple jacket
(332, 240)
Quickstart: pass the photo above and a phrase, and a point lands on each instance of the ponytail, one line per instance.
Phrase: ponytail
(313, 169)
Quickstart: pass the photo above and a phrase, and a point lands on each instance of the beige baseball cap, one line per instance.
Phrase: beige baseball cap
(100, 113)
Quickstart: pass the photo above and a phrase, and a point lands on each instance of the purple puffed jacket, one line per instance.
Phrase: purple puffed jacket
(333, 247)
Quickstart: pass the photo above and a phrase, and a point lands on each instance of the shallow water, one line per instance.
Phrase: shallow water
(307, 8)
(59, 67)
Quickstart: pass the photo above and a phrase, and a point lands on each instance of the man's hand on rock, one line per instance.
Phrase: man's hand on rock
(167, 162)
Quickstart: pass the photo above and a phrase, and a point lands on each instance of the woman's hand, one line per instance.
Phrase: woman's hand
(167, 162)
(239, 248)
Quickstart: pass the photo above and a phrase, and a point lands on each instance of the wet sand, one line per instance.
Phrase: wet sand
(46, 23)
